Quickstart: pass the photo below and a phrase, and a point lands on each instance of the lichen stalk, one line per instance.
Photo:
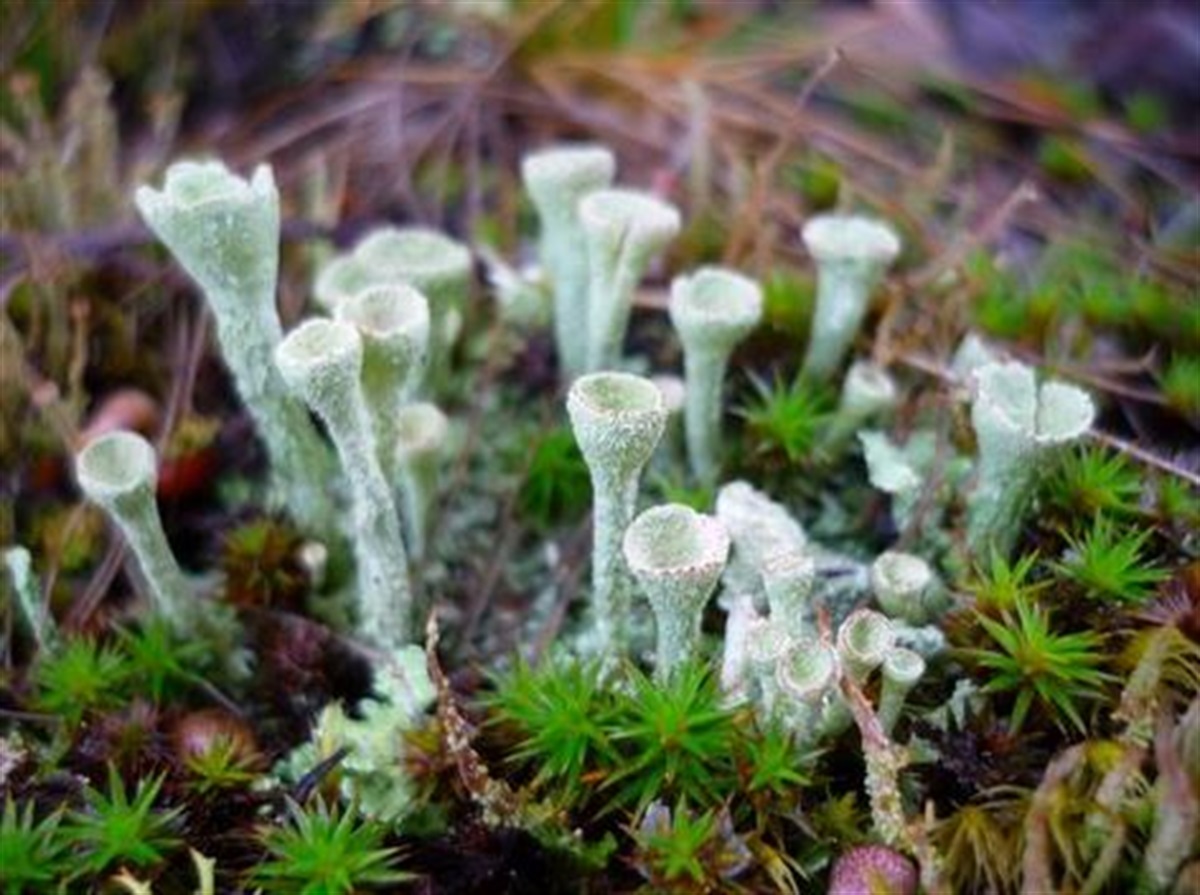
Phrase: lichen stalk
(421, 433)
(224, 231)
(852, 254)
(712, 310)
(623, 230)
(902, 668)
(556, 179)
(321, 360)
(118, 472)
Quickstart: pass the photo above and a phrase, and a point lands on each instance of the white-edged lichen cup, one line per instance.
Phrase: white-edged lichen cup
(119, 473)
(617, 419)
(557, 178)
(902, 668)
(851, 253)
(863, 641)
(903, 584)
(224, 231)
(321, 361)
(393, 321)
(677, 556)
(712, 310)
(868, 392)
(623, 230)
(803, 677)
(421, 434)
(1018, 425)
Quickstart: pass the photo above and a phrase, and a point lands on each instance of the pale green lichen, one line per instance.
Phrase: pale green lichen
(864, 640)
(904, 586)
(224, 231)
(902, 668)
(712, 310)
(852, 254)
(676, 555)
(119, 473)
(321, 361)
(557, 179)
(623, 229)
(868, 393)
(618, 419)
(28, 597)
(421, 433)
(1019, 426)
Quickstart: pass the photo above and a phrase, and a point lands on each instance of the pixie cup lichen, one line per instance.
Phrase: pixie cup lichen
(852, 254)
(393, 321)
(623, 230)
(421, 433)
(1018, 425)
(903, 584)
(902, 668)
(618, 419)
(712, 310)
(224, 231)
(321, 361)
(676, 555)
(867, 393)
(557, 178)
(119, 473)
(789, 578)
(863, 641)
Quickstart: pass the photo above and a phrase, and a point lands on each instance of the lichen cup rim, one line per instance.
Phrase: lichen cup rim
(317, 344)
(386, 310)
(646, 214)
(180, 178)
(115, 464)
(651, 548)
(850, 237)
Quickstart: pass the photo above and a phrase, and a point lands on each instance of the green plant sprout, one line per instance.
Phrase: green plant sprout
(1055, 671)
(1092, 480)
(1106, 562)
(712, 310)
(117, 830)
(34, 854)
(81, 676)
(321, 361)
(324, 850)
(784, 421)
(224, 231)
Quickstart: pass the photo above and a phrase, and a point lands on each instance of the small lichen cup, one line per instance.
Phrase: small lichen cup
(623, 230)
(617, 419)
(224, 231)
(868, 392)
(321, 360)
(677, 556)
(557, 178)
(712, 310)
(119, 473)
(1018, 426)
(902, 584)
(393, 321)
(863, 641)
(902, 669)
(851, 253)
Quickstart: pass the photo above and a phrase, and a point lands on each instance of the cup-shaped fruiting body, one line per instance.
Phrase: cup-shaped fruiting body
(434, 264)
(623, 230)
(803, 677)
(712, 310)
(27, 591)
(557, 179)
(1018, 426)
(851, 253)
(863, 641)
(119, 472)
(618, 419)
(393, 321)
(971, 356)
(676, 555)
(789, 579)
(224, 231)
(741, 624)
(421, 433)
(321, 361)
(902, 584)
(902, 668)
(867, 393)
